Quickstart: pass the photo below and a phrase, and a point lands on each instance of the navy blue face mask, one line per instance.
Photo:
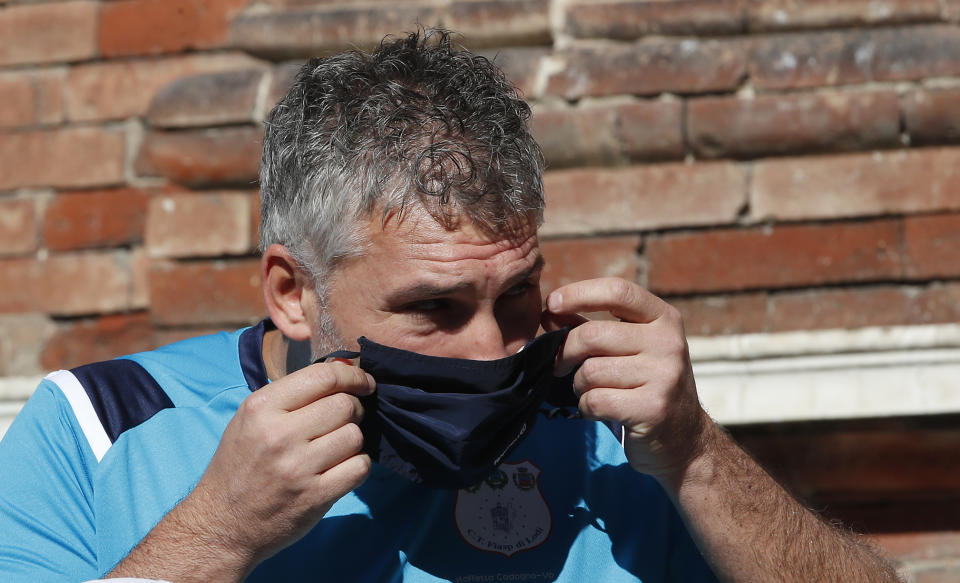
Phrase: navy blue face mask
(448, 422)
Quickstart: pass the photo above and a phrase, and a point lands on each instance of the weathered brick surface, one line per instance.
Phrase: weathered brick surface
(630, 19)
(137, 27)
(932, 246)
(573, 260)
(842, 308)
(202, 157)
(904, 181)
(66, 284)
(500, 22)
(583, 201)
(281, 79)
(934, 573)
(199, 225)
(70, 157)
(777, 124)
(932, 115)
(207, 100)
(715, 315)
(790, 14)
(18, 226)
(521, 66)
(33, 97)
(814, 59)
(98, 218)
(94, 340)
(321, 30)
(200, 293)
(47, 32)
(782, 256)
(22, 338)
(609, 134)
(649, 68)
(124, 88)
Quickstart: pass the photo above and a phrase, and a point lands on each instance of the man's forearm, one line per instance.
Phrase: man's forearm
(750, 529)
(178, 549)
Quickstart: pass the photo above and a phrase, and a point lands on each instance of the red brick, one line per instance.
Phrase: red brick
(209, 99)
(782, 256)
(485, 23)
(642, 197)
(609, 134)
(931, 115)
(919, 545)
(103, 338)
(199, 225)
(140, 279)
(202, 293)
(649, 68)
(573, 260)
(651, 130)
(932, 246)
(814, 59)
(202, 157)
(790, 14)
(121, 89)
(138, 27)
(70, 157)
(905, 181)
(937, 304)
(22, 337)
(67, 284)
(777, 124)
(31, 97)
(841, 308)
(312, 31)
(280, 82)
(521, 66)
(630, 19)
(715, 315)
(18, 226)
(255, 221)
(48, 33)
(101, 218)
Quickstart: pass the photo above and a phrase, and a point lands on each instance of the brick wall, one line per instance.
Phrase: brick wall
(764, 165)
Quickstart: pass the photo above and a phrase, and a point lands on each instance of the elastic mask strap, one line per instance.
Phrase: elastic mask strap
(338, 354)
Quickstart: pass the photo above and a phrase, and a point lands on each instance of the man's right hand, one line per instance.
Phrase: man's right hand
(293, 448)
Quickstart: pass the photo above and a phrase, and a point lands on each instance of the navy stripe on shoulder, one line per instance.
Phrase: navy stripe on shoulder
(123, 394)
(251, 354)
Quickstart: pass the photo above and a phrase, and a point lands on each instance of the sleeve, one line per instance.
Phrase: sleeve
(47, 528)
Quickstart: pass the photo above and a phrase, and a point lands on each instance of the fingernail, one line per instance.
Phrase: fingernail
(554, 302)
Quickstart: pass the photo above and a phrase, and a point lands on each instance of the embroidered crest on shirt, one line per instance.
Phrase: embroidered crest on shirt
(506, 513)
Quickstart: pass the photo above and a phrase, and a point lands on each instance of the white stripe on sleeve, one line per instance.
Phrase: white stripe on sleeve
(83, 410)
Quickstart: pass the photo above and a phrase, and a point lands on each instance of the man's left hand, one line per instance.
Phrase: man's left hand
(635, 372)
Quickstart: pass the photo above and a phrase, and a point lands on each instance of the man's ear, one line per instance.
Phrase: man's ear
(287, 292)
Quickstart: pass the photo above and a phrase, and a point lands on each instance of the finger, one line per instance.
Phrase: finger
(615, 372)
(327, 414)
(625, 300)
(627, 407)
(598, 338)
(342, 478)
(333, 448)
(317, 381)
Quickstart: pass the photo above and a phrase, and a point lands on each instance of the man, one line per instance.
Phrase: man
(401, 199)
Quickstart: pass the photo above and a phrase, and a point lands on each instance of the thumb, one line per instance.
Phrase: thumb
(551, 321)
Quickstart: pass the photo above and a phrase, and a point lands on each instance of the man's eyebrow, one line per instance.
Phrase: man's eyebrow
(426, 290)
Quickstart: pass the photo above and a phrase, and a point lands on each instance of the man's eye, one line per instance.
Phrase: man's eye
(427, 306)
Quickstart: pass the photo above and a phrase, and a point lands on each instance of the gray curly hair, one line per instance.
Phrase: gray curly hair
(417, 122)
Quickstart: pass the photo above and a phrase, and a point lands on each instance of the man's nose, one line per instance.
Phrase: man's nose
(483, 339)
